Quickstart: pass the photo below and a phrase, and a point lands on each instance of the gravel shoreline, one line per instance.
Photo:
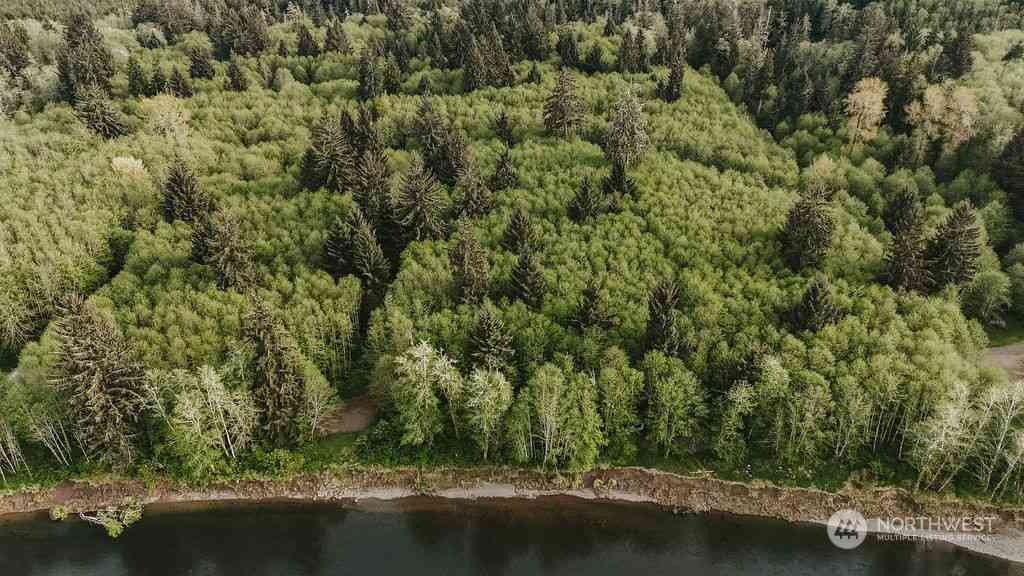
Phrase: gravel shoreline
(693, 494)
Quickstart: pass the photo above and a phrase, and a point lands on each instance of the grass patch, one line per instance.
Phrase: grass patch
(1011, 333)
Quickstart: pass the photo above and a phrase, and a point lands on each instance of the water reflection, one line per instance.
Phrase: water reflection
(426, 536)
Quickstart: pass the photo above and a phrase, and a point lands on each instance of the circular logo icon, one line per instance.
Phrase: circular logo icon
(847, 529)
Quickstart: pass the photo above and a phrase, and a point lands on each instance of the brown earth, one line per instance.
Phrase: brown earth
(1009, 358)
(677, 492)
(355, 416)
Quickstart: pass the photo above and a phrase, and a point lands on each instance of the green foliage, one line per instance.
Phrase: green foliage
(952, 253)
(563, 110)
(676, 404)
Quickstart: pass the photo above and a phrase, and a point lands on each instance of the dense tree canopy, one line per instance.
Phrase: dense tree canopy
(536, 232)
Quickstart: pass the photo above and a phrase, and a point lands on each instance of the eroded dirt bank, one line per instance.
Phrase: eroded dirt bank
(673, 491)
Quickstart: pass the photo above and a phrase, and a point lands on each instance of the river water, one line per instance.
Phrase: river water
(423, 536)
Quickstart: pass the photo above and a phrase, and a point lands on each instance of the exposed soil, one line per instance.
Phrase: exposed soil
(672, 491)
(355, 416)
(1009, 358)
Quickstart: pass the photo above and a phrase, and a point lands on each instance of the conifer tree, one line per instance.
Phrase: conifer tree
(903, 213)
(337, 40)
(236, 80)
(470, 268)
(505, 174)
(278, 376)
(338, 248)
(528, 283)
(808, 231)
(477, 198)
(627, 135)
(593, 310)
(587, 203)
(368, 260)
(534, 76)
(490, 343)
(671, 88)
(905, 267)
(229, 255)
(563, 109)
(200, 65)
(307, 45)
(183, 198)
(503, 130)
(97, 112)
(662, 304)
(158, 83)
(1008, 171)
(817, 307)
(568, 50)
(952, 252)
(138, 84)
(595, 60)
(419, 206)
(282, 50)
(475, 71)
(520, 233)
(371, 80)
(83, 61)
(392, 75)
(617, 185)
(101, 381)
(15, 54)
(179, 85)
(371, 188)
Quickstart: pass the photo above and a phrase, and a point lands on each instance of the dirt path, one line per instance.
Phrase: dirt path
(355, 416)
(1010, 358)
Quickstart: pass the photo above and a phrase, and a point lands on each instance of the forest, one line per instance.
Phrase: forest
(763, 238)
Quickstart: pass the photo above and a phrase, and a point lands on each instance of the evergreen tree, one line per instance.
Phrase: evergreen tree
(337, 40)
(671, 88)
(138, 84)
(595, 60)
(627, 135)
(505, 174)
(282, 50)
(475, 72)
(368, 260)
(807, 234)
(503, 130)
(952, 252)
(392, 75)
(338, 248)
(568, 50)
(470, 268)
(528, 283)
(307, 45)
(905, 267)
(477, 198)
(331, 158)
(419, 207)
(372, 191)
(520, 233)
(200, 65)
(903, 213)
(534, 76)
(183, 197)
(587, 203)
(817, 307)
(158, 84)
(490, 343)
(101, 381)
(593, 310)
(179, 85)
(1008, 171)
(371, 81)
(662, 305)
(228, 254)
(278, 376)
(563, 109)
(99, 114)
(616, 186)
(15, 54)
(83, 62)
(236, 80)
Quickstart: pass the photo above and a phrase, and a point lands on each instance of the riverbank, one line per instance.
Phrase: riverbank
(686, 494)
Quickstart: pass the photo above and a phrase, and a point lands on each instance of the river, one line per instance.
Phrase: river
(557, 535)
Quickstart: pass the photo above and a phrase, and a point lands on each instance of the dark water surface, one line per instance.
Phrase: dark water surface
(429, 536)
